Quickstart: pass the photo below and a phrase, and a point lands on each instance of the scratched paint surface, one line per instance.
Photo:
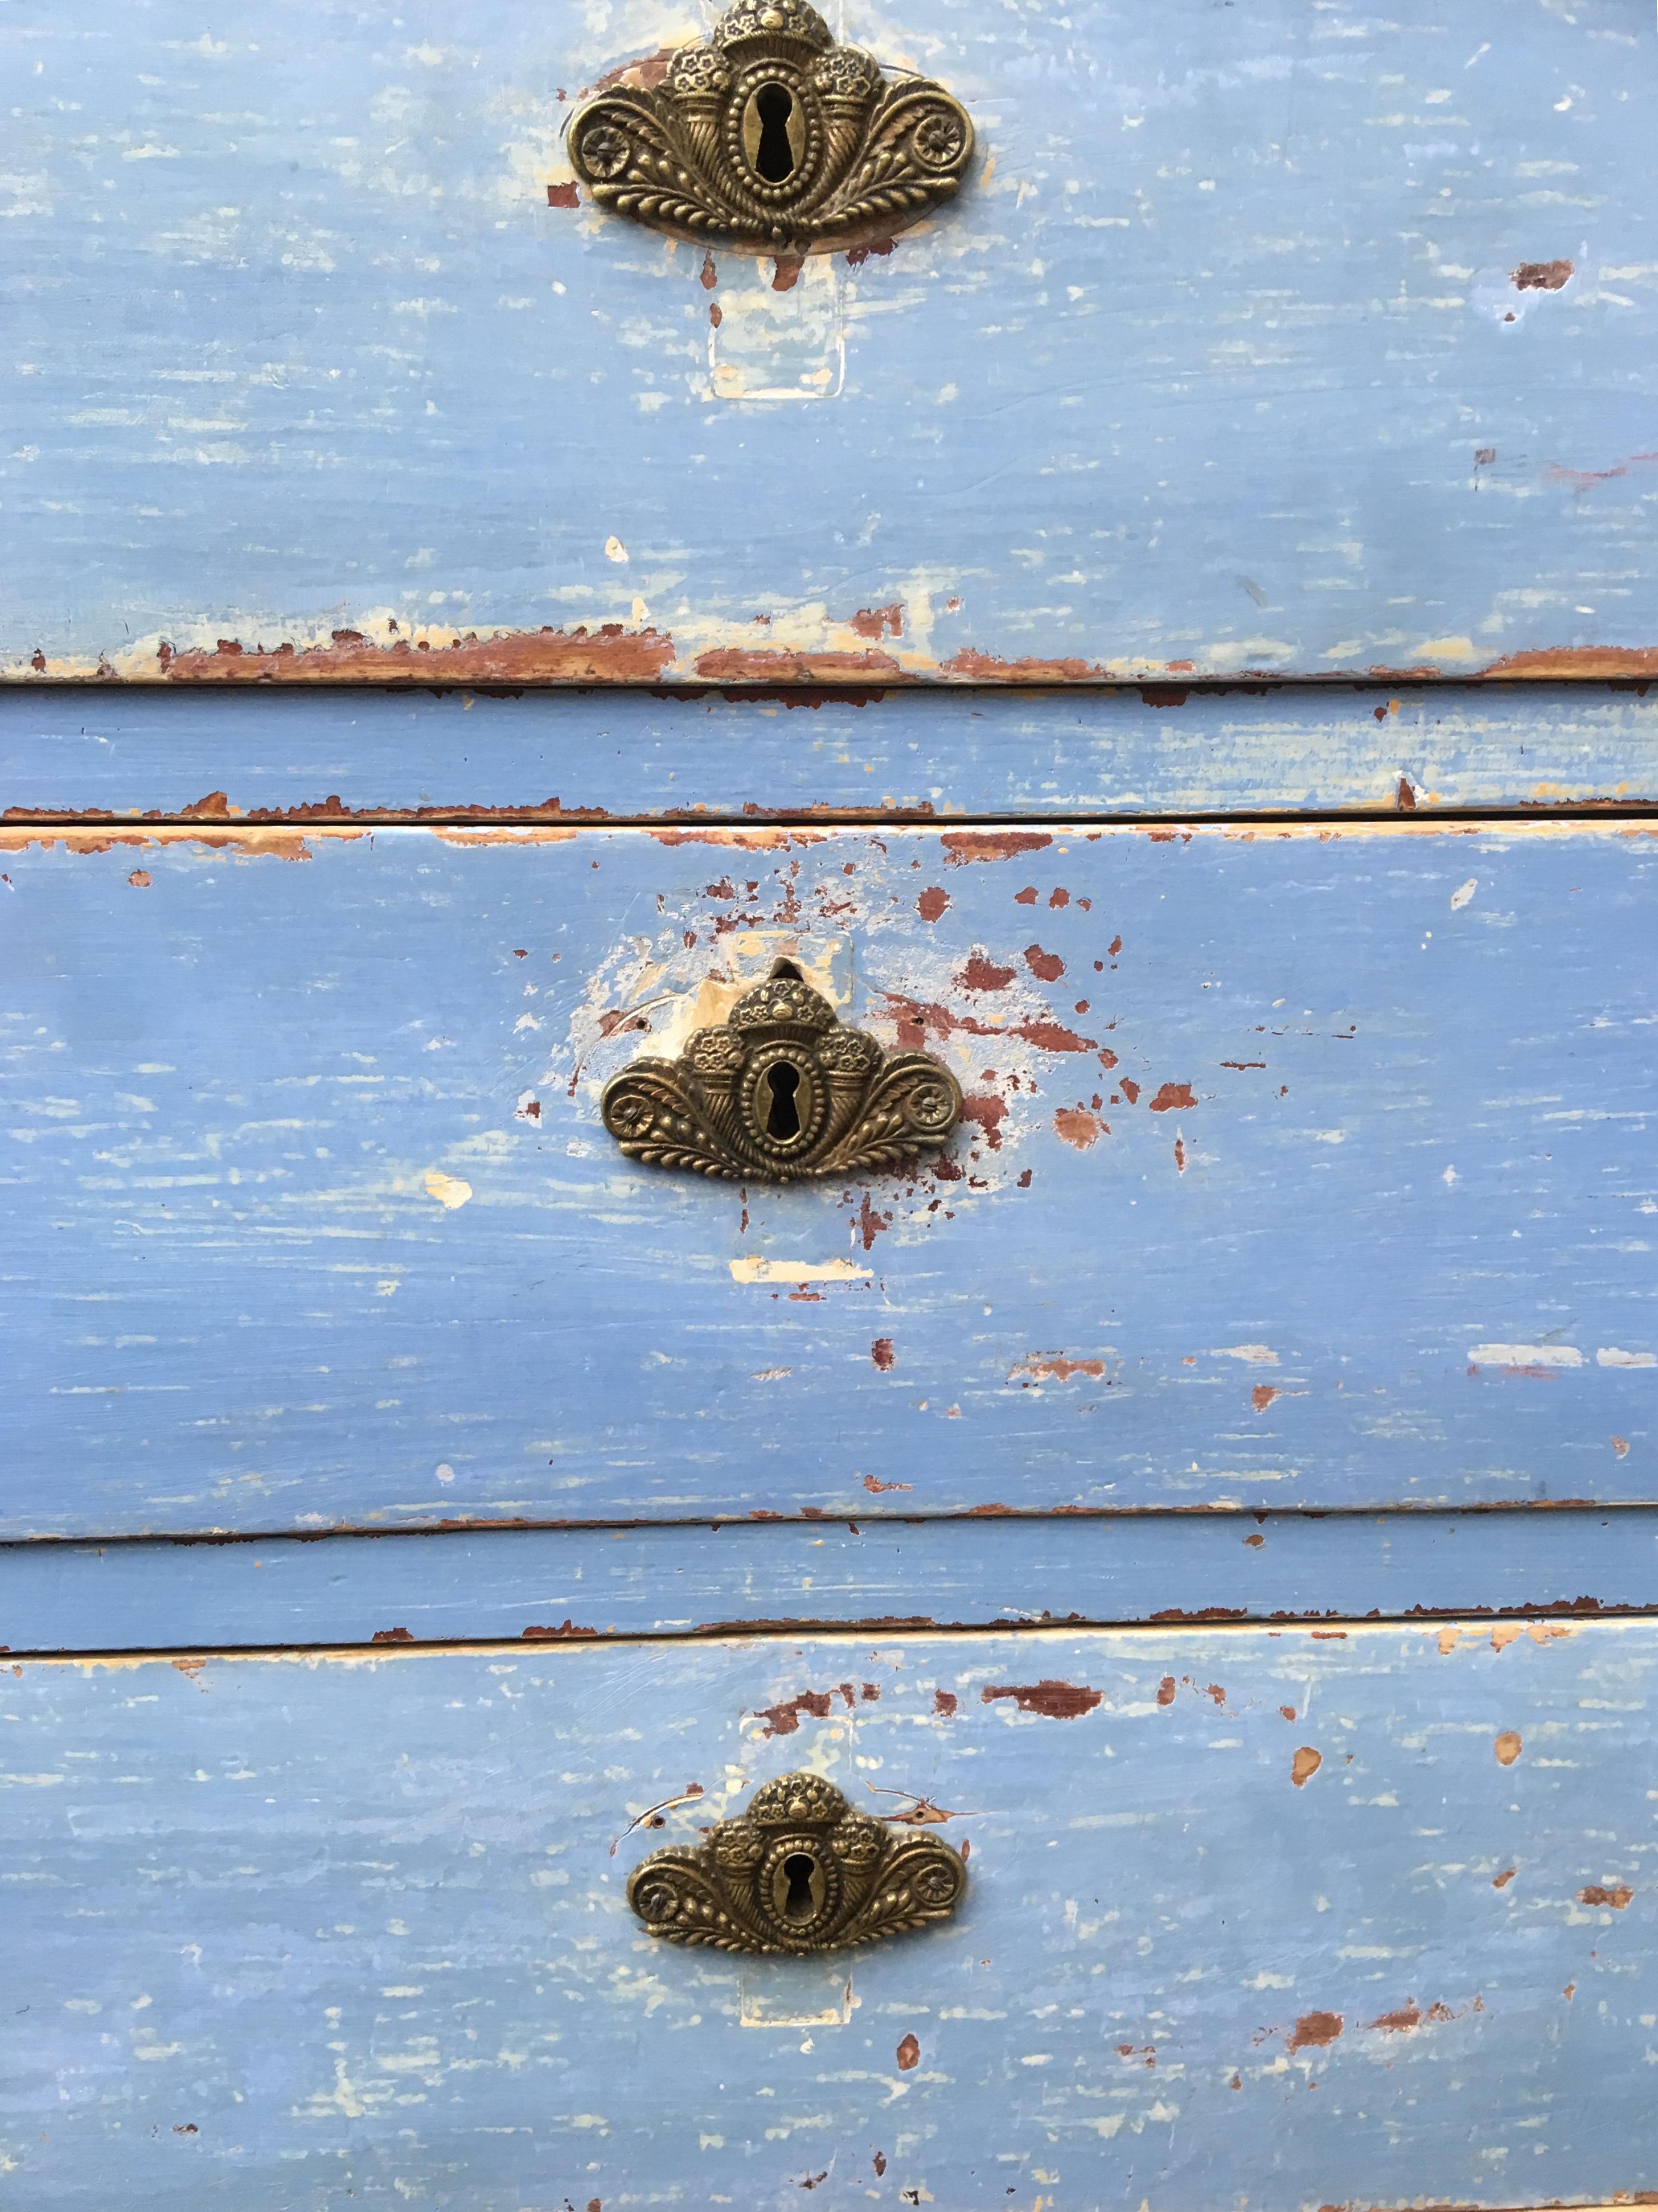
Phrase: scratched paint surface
(1249, 1914)
(1161, 748)
(1299, 1168)
(1267, 337)
(542, 1585)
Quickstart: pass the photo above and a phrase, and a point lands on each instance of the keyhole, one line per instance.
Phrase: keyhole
(775, 158)
(783, 1122)
(801, 1901)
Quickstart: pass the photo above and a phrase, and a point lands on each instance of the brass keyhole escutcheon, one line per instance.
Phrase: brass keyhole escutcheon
(771, 134)
(779, 1091)
(799, 1871)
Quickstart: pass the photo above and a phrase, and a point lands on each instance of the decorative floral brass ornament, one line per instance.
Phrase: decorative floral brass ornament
(781, 1092)
(771, 135)
(799, 1871)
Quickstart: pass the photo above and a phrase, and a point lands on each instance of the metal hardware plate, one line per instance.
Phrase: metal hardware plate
(800, 1871)
(780, 1092)
(770, 134)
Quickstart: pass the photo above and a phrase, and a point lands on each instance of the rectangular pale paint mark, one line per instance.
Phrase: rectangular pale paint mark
(795, 1993)
(770, 344)
(800, 1271)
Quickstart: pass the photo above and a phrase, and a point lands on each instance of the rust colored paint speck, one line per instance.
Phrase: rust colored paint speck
(909, 2055)
(876, 623)
(1617, 1898)
(1077, 1127)
(1054, 1701)
(783, 1718)
(1053, 1367)
(983, 974)
(1507, 1747)
(1541, 275)
(932, 902)
(1315, 2029)
(1305, 1764)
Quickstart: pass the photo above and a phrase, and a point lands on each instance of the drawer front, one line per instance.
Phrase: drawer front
(1299, 1168)
(1297, 1919)
(888, 753)
(1258, 340)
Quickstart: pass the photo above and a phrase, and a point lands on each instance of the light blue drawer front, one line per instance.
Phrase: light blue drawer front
(1274, 337)
(1300, 1167)
(1295, 1920)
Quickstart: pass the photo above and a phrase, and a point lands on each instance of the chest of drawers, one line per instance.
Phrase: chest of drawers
(1163, 632)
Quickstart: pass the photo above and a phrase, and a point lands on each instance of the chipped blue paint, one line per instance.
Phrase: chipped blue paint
(310, 1220)
(1223, 361)
(542, 1584)
(340, 1932)
(1165, 750)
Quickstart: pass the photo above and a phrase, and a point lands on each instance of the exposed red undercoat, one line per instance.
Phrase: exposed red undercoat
(982, 974)
(1054, 1701)
(784, 1719)
(729, 663)
(877, 622)
(1172, 1094)
(609, 654)
(963, 845)
(1315, 2029)
(1541, 275)
(990, 668)
(1053, 1367)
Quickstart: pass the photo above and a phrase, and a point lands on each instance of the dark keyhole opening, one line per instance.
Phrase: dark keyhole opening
(797, 1871)
(775, 157)
(783, 1122)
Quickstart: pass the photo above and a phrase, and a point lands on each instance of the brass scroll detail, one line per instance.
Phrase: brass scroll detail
(770, 135)
(782, 1091)
(800, 1871)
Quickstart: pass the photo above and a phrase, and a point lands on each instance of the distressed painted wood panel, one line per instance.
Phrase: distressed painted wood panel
(1300, 1168)
(1285, 338)
(878, 1573)
(1155, 749)
(1249, 1916)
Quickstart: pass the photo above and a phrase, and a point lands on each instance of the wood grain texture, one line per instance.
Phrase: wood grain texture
(547, 1585)
(1158, 750)
(1300, 1168)
(1280, 338)
(350, 1931)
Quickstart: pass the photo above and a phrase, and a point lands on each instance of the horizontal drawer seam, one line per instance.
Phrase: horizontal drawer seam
(1336, 1629)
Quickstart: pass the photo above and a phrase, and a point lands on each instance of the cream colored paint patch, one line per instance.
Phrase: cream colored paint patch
(450, 1191)
(769, 345)
(755, 1270)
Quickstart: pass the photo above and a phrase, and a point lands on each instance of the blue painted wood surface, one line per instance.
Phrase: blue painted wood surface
(542, 1585)
(1162, 750)
(337, 1932)
(1270, 337)
(1318, 1176)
